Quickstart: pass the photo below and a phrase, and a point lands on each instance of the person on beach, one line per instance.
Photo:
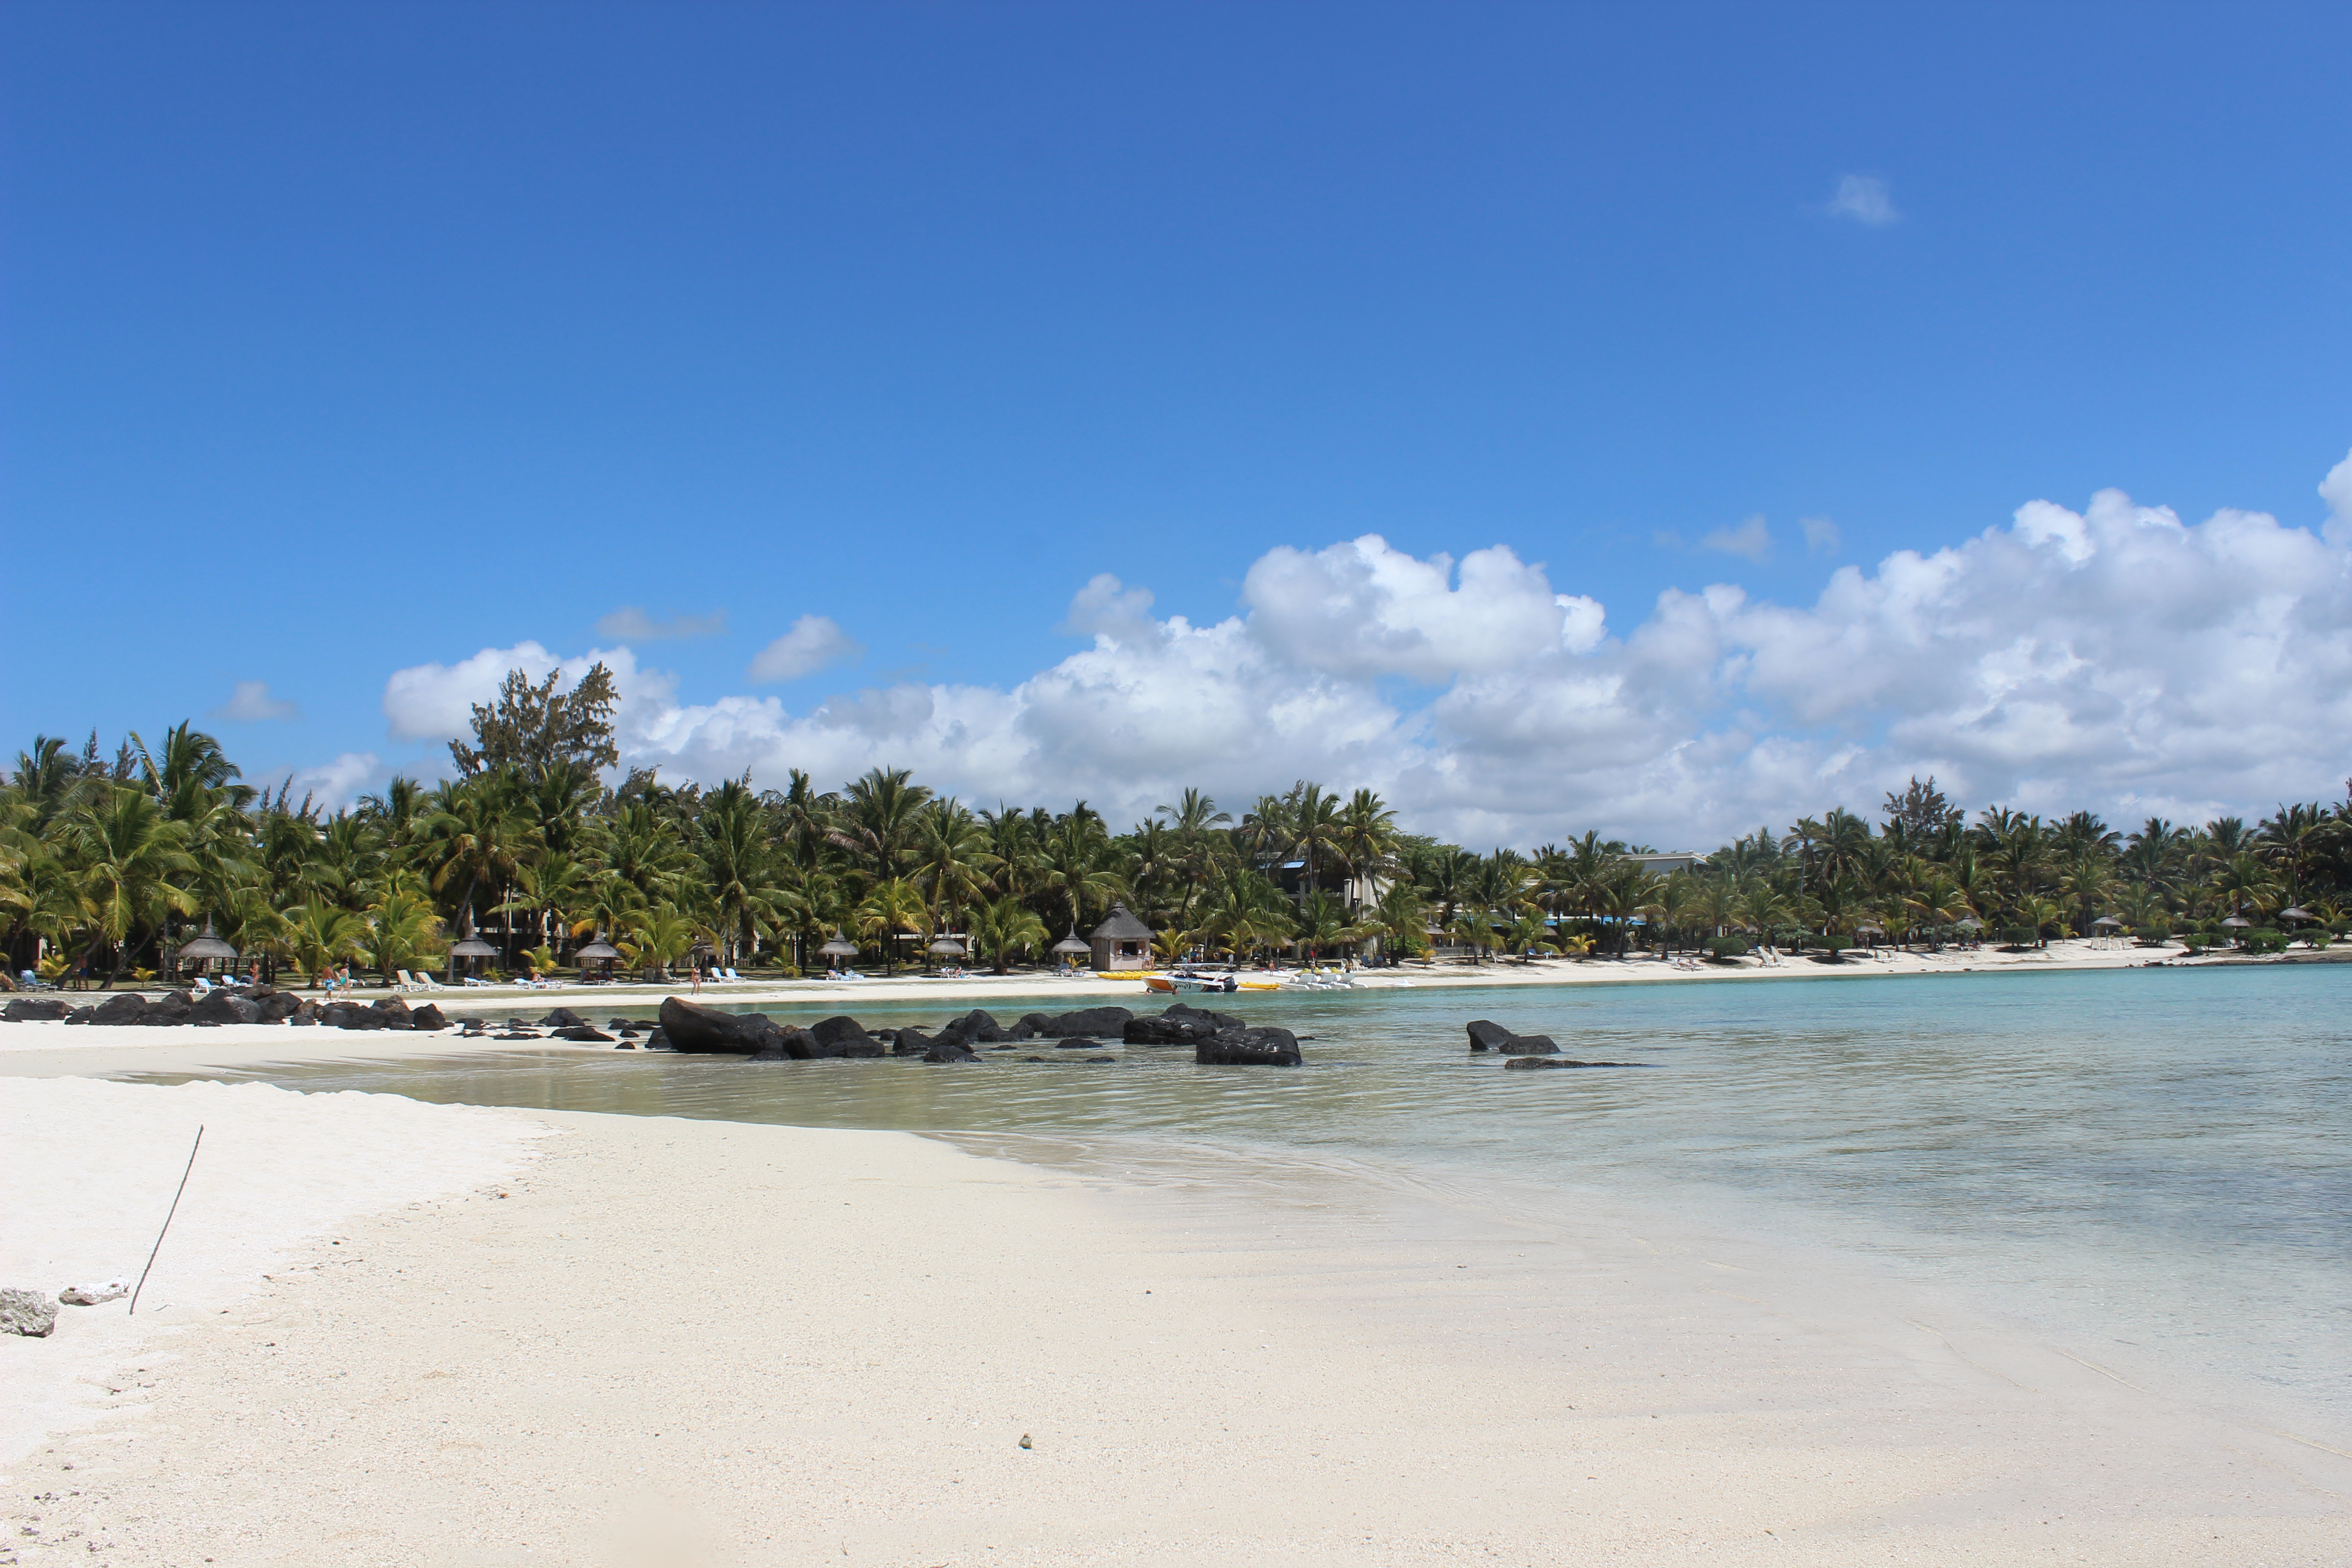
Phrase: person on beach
(694, 979)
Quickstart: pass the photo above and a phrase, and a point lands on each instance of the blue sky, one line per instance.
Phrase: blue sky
(341, 342)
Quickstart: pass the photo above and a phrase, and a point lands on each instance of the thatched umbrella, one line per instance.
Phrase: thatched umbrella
(599, 951)
(207, 947)
(839, 947)
(946, 947)
(2296, 912)
(2107, 922)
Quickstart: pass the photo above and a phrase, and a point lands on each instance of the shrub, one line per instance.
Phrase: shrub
(2152, 936)
(1726, 947)
(2021, 936)
(1836, 943)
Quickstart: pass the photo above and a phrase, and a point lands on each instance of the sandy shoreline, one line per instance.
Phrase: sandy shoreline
(712, 1343)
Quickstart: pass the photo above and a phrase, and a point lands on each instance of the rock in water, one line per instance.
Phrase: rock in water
(584, 1034)
(563, 1019)
(427, 1017)
(41, 1009)
(943, 1051)
(975, 1028)
(26, 1313)
(911, 1043)
(1080, 1044)
(1529, 1045)
(1087, 1021)
(91, 1295)
(843, 1036)
(1487, 1036)
(689, 1028)
(1269, 1048)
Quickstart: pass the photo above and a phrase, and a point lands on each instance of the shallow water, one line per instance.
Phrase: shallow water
(2158, 1159)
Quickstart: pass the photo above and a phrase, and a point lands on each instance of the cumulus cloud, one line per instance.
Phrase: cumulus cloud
(436, 702)
(1821, 536)
(1865, 200)
(337, 783)
(631, 624)
(2336, 490)
(2115, 656)
(1751, 541)
(251, 703)
(815, 642)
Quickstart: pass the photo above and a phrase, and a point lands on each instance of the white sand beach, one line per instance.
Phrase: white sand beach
(706, 1343)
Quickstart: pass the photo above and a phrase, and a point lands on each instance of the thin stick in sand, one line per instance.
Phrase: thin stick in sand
(167, 1219)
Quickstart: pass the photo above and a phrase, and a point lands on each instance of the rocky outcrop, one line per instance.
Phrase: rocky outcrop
(1179, 1026)
(427, 1017)
(974, 1028)
(688, 1028)
(1522, 1063)
(584, 1034)
(224, 1007)
(42, 1009)
(130, 1008)
(1261, 1047)
(910, 1042)
(945, 1051)
(1087, 1021)
(563, 1019)
(79, 1015)
(1485, 1036)
(26, 1313)
(1080, 1043)
(277, 1006)
(843, 1036)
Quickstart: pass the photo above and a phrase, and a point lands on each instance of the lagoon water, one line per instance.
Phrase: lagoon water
(2148, 1162)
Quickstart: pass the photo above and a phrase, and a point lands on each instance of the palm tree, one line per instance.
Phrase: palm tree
(951, 859)
(880, 812)
(403, 931)
(1315, 827)
(1005, 927)
(889, 909)
(1367, 842)
(126, 854)
(321, 935)
(1075, 860)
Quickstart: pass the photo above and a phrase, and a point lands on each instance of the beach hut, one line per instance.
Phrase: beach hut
(1121, 941)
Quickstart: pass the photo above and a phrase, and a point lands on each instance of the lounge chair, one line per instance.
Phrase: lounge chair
(425, 982)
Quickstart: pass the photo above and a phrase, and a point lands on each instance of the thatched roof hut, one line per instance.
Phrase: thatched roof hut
(1121, 941)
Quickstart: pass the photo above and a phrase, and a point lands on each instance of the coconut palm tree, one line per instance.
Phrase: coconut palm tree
(889, 909)
(321, 936)
(880, 814)
(127, 855)
(1005, 927)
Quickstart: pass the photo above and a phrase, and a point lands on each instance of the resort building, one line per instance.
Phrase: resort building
(1121, 941)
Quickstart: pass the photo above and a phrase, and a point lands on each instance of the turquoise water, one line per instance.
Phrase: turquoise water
(2162, 1158)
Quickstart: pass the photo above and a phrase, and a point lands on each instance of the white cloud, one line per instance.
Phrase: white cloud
(813, 643)
(1751, 541)
(1865, 200)
(2336, 490)
(1821, 537)
(251, 703)
(2114, 658)
(631, 624)
(436, 702)
(336, 784)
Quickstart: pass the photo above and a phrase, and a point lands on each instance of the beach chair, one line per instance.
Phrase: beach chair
(729, 976)
(425, 982)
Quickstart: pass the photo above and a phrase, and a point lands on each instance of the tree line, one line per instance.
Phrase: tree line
(105, 863)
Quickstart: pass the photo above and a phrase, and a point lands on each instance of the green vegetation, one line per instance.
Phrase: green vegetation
(105, 862)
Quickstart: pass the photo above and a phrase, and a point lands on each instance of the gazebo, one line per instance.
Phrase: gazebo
(1122, 942)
